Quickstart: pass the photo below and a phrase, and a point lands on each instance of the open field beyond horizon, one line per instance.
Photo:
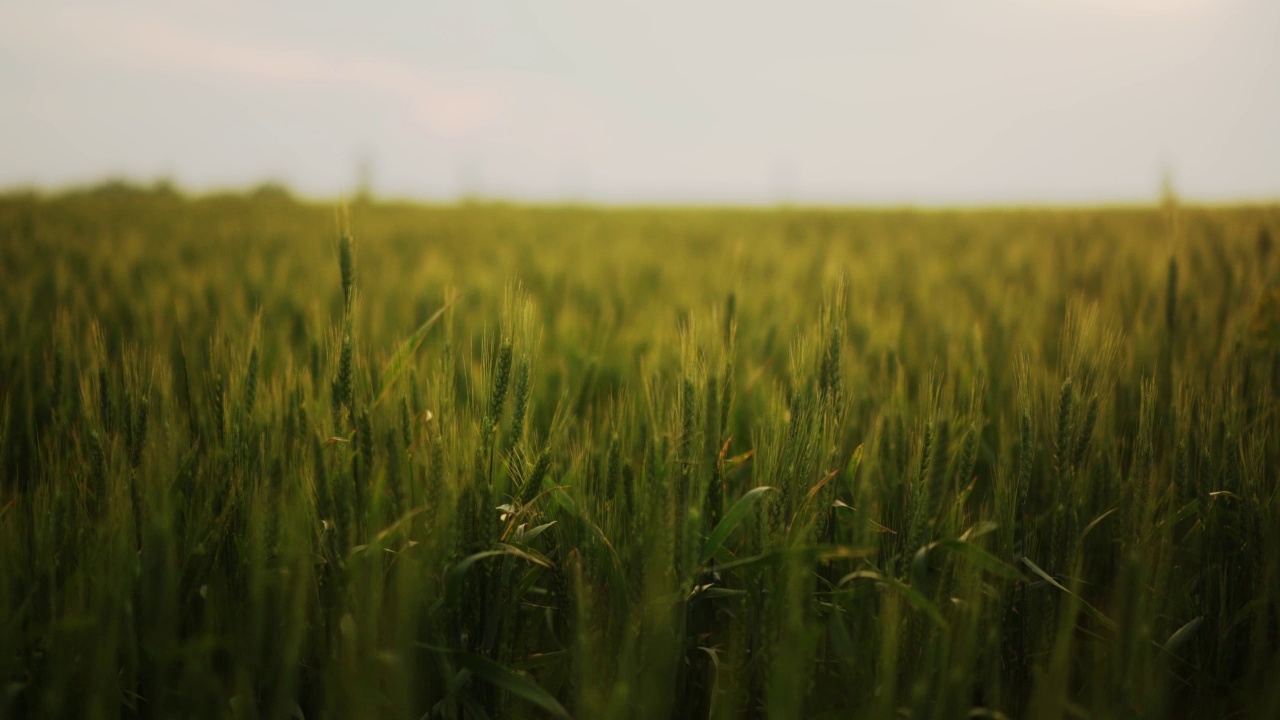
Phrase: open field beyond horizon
(268, 459)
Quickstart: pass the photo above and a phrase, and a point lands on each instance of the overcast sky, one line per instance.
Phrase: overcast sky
(870, 101)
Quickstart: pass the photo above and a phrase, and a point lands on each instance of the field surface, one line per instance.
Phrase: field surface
(265, 459)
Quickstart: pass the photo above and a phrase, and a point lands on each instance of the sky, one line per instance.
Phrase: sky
(853, 102)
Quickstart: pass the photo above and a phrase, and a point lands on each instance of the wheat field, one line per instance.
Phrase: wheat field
(269, 458)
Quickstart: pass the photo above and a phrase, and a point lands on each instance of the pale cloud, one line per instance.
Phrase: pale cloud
(1142, 8)
(447, 105)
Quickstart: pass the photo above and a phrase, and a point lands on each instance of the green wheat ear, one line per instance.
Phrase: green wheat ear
(730, 317)
(830, 373)
(968, 457)
(364, 440)
(501, 381)
(324, 499)
(1062, 446)
(1026, 458)
(406, 424)
(1086, 432)
(251, 384)
(937, 485)
(688, 424)
(521, 402)
(347, 265)
(533, 483)
(219, 405)
(138, 431)
(344, 386)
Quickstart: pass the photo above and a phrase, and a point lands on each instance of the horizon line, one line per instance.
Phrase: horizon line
(465, 199)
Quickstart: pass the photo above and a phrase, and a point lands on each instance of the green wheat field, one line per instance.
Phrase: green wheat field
(268, 458)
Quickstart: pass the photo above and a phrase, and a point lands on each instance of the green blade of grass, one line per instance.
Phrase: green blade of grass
(731, 520)
(400, 359)
(453, 583)
(1093, 611)
(512, 681)
(908, 593)
(1089, 528)
(810, 552)
(979, 557)
(1182, 635)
